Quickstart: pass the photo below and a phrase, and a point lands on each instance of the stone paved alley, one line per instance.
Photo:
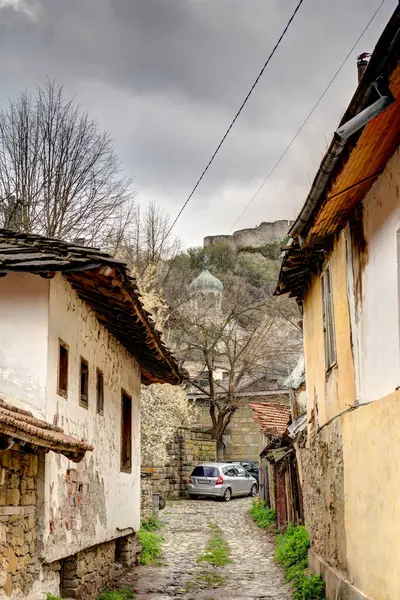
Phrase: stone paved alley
(252, 574)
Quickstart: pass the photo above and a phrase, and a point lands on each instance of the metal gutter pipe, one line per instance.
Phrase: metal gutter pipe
(341, 135)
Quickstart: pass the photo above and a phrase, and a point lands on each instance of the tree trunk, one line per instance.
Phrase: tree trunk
(220, 421)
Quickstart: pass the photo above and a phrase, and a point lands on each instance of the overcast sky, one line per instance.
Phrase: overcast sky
(165, 78)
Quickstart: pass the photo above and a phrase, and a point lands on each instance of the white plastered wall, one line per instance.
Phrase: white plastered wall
(108, 503)
(24, 306)
(379, 369)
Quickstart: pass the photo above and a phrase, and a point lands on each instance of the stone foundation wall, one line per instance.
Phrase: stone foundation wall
(86, 573)
(321, 460)
(19, 565)
(171, 480)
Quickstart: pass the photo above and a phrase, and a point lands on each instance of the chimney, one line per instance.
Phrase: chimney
(362, 63)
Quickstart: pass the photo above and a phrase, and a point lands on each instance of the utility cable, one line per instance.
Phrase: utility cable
(234, 119)
(307, 118)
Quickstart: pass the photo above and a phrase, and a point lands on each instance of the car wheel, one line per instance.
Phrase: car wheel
(254, 489)
(227, 494)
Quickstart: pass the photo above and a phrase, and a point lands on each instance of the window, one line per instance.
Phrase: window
(230, 471)
(240, 472)
(126, 433)
(84, 385)
(62, 369)
(327, 318)
(205, 472)
(100, 392)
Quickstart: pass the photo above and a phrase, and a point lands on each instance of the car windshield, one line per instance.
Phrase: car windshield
(205, 471)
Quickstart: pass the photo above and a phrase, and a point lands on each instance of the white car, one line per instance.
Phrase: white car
(221, 480)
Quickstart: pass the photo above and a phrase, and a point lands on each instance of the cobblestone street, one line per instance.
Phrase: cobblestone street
(251, 575)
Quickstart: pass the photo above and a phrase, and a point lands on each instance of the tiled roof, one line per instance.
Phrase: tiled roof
(105, 285)
(273, 418)
(22, 425)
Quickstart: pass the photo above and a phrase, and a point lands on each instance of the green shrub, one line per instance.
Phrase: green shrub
(151, 524)
(311, 587)
(263, 516)
(151, 547)
(124, 594)
(292, 553)
(51, 597)
(292, 546)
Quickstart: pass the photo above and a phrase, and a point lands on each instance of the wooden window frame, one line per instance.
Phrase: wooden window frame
(328, 318)
(99, 392)
(126, 465)
(61, 391)
(83, 398)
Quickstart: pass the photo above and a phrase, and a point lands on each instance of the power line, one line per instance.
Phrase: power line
(235, 118)
(307, 118)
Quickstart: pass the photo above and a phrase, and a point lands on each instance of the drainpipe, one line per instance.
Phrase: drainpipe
(339, 141)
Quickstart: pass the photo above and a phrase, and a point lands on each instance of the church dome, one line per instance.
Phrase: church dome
(206, 282)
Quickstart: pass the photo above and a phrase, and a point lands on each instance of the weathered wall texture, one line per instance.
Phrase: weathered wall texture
(19, 565)
(334, 391)
(86, 573)
(321, 458)
(371, 451)
(379, 318)
(265, 233)
(188, 449)
(94, 501)
(24, 316)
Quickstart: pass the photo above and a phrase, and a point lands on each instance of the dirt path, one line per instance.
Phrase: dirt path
(252, 574)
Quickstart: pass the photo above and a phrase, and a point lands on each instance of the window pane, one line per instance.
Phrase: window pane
(84, 384)
(198, 472)
(63, 370)
(126, 433)
(100, 392)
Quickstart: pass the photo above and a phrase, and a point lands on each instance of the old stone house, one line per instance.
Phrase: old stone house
(342, 265)
(75, 346)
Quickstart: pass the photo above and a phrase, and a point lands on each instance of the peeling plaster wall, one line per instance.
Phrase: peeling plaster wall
(92, 502)
(330, 392)
(379, 325)
(24, 304)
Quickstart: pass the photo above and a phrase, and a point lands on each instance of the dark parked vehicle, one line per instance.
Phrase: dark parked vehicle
(250, 466)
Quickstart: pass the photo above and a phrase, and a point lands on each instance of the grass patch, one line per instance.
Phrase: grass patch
(217, 549)
(151, 542)
(51, 597)
(124, 594)
(263, 516)
(211, 579)
(292, 554)
(151, 547)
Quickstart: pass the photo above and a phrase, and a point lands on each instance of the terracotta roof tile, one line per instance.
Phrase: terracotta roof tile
(22, 425)
(273, 418)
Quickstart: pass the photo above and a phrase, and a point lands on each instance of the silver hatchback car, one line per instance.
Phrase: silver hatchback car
(221, 480)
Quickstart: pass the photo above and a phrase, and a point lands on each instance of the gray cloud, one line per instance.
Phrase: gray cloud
(165, 77)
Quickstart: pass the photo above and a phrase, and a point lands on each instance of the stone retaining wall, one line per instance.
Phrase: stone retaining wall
(19, 565)
(171, 480)
(86, 573)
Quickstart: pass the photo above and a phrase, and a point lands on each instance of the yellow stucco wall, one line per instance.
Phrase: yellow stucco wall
(334, 391)
(371, 452)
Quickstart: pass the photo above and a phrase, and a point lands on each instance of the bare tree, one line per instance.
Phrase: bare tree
(59, 174)
(248, 339)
